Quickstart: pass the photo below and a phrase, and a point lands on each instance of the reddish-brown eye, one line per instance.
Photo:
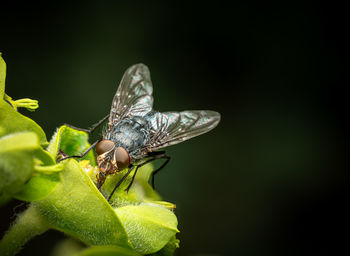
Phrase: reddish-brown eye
(121, 157)
(104, 146)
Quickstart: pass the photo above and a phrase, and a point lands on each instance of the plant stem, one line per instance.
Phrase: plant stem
(27, 225)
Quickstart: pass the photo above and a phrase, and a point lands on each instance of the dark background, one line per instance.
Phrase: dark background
(269, 180)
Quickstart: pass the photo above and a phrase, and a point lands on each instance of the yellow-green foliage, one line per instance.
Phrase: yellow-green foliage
(63, 196)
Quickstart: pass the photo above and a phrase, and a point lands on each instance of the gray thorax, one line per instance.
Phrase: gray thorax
(131, 133)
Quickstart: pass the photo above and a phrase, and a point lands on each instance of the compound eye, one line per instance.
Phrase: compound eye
(104, 146)
(121, 157)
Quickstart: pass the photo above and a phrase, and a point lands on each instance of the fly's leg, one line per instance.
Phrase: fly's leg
(93, 127)
(101, 177)
(79, 156)
(159, 155)
(120, 182)
(137, 167)
(90, 130)
(132, 179)
(160, 168)
(155, 156)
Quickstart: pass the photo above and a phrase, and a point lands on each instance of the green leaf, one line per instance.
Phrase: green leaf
(142, 178)
(16, 160)
(108, 251)
(38, 187)
(149, 226)
(20, 158)
(168, 249)
(74, 142)
(140, 190)
(2, 76)
(76, 207)
(136, 194)
(12, 121)
(79, 209)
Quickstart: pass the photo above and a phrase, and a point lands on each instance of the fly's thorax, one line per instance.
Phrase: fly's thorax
(130, 134)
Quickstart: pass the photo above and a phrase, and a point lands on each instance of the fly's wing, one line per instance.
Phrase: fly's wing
(174, 127)
(134, 94)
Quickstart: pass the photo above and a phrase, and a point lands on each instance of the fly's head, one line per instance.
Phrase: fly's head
(111, 159)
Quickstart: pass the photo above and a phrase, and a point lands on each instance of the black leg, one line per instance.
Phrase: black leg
(132, 179)
(120, 182)
(80, 156)
(137, 167)
(155, 156)
(160, 168)
(93, 127)
(101, 177)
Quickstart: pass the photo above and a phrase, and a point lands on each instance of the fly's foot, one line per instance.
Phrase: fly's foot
(128, 188)
(101, 177)
(61, 156)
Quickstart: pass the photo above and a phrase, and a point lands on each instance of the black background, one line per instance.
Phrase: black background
(270, 179)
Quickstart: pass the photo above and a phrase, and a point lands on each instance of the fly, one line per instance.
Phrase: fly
(136, 134)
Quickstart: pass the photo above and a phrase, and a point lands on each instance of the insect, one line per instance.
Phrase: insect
(135, 133)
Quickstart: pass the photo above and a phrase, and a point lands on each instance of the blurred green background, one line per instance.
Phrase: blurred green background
(269, 179)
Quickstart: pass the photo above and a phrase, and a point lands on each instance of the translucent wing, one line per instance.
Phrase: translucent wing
(134, 94)
(174, 127)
